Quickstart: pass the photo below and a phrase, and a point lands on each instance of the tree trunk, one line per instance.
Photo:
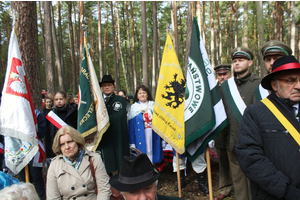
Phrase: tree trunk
(219, 35)
(56, 51)
(100, 40)
(144, 44)
(28, 42)
(175, 30)
(60, 42)
(91, 37)
(289, 23)
(48, 47)
(133, 45)
(120, 49)
(293, 29)
(261, 41)
(117, 78)
(204, 25)
(155, 45)
(81, 13)
(212, 35)
(188, 37)
(245, 36)
(199, 17)
(75, 88)
(129, 50)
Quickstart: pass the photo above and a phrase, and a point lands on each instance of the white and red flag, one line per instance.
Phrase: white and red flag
(18, 119)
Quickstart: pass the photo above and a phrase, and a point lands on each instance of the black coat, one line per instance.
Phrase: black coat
(70, 118)
(267, 153)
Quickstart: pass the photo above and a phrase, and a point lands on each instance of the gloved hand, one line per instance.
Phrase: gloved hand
(163, 144)
(211, 144)
(132, 146)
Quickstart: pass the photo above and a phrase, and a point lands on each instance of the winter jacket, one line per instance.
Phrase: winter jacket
(70, 119)
(64, 182)
(267, 153)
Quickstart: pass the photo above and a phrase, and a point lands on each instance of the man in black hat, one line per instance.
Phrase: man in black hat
(268, 147)
(223, 72)
(237, 93)
(273, 50)
(115, 141)
(138, 179)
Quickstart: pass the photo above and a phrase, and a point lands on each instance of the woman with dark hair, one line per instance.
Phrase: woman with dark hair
(64, 111)
(75, 173)
(141, 135)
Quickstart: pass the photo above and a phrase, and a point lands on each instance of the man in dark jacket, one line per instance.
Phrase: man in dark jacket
(237, 93)
(114, 144)
(268, 148)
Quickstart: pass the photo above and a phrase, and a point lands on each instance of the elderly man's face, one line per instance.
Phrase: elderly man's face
(107, 88)
(287, 85)
(145, 193)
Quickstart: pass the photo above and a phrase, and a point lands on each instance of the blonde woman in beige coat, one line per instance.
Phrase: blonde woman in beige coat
(69, 175)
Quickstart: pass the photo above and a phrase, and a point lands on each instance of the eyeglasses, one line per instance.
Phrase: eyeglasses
(290, 81)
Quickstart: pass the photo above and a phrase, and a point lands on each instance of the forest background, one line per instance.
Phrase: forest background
(126, 38)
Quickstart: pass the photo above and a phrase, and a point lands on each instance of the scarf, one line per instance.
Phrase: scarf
(137, 108)
(77, 161)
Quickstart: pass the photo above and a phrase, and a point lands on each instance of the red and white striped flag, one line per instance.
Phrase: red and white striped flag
(18, 119)
(55, 120)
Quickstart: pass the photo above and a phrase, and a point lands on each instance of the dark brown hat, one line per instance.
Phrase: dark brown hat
(221, 68)
(107, 79)
(135, 173)
(241, 52)
(285, 63)
(275, 47)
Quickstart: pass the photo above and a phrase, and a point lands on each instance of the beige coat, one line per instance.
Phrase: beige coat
(64, 182)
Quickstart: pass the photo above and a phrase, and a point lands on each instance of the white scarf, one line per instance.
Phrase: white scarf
(137, 108)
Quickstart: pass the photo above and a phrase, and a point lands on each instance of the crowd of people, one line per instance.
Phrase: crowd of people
(258, 151)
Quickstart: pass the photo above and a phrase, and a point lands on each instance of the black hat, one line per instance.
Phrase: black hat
(284, 63)
(135, 173)
(107, 79)
(241, 52)
(222, 68)
(275, 47)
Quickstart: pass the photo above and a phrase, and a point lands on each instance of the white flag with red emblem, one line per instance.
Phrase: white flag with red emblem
(18, 119)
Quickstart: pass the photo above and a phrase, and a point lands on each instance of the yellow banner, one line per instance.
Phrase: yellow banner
(168, 112)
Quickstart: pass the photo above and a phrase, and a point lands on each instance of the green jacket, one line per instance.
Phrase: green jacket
(115, 141)
(246, 87)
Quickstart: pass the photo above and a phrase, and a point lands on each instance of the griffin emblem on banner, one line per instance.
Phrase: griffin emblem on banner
(177, 97)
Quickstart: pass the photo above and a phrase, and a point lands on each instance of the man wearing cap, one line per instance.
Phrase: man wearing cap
(237, 93)
(273, 50)
(137, 179)
(225, 184)
(268, 147)
(115, 141)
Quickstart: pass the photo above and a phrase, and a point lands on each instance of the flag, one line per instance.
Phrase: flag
(204, 112)
(55, 120)
(18, 119)
(93, 120)
(168, 120)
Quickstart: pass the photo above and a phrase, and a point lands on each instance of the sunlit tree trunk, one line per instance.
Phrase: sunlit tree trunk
(245, 29)
(188, 37)
(60, 42)
(133, 47)
(100, 40)
(117, 78)
(56, 51)
(212, 35)
(293, 29)
(203, 18)
(27, 33)
(75, 88)
(144, 43)
(261, 40)
(155, 45)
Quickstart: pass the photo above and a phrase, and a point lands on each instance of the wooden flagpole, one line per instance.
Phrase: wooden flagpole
(209, 174)
(178, 175)
(27, 174)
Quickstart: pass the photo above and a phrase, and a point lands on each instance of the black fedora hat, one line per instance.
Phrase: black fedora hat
(282, 64)
(135, 173)
(107, 79)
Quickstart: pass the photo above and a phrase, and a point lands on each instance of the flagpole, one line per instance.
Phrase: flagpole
(27, 174)
(178, 175)
(209, 174)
